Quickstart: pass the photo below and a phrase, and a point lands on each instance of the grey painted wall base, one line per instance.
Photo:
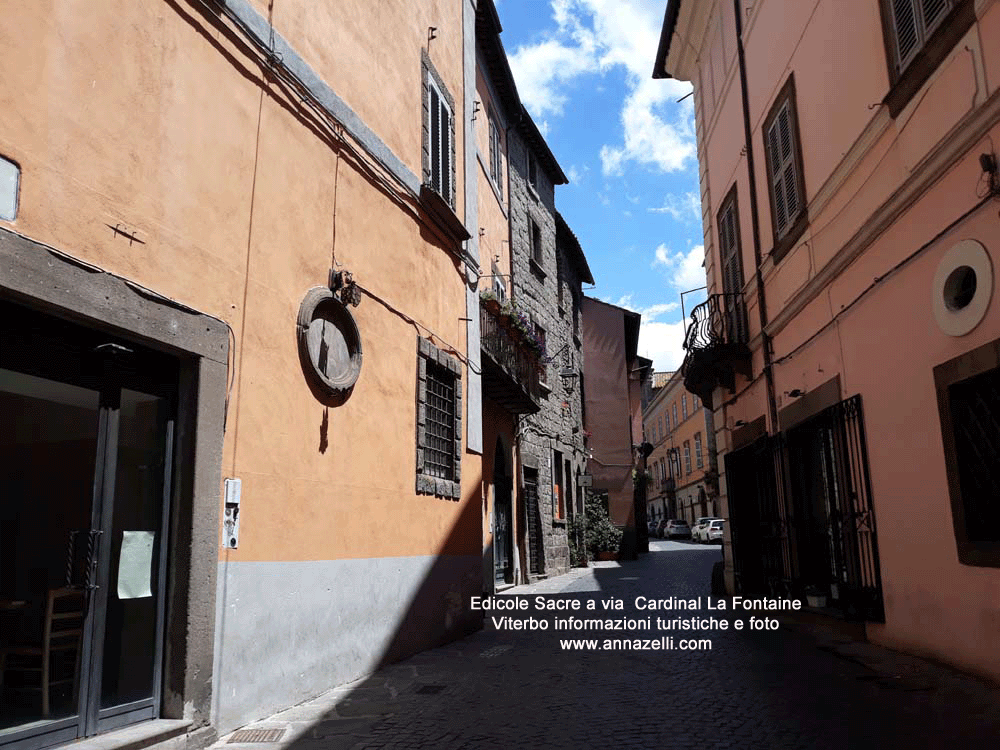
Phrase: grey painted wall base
(288, 631)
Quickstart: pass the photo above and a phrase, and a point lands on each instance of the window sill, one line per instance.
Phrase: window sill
(537, 269)
(920, 69)
(443, 215)
(785, 244)
(559, 522)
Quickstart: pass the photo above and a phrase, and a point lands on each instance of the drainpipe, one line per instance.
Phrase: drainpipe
(772, 405)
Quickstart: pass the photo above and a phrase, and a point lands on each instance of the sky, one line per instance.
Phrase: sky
(583, 69)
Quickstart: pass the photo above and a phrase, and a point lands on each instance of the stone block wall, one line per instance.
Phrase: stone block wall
(558, 426)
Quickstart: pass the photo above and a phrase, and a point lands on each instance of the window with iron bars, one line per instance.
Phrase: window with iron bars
(439, 422)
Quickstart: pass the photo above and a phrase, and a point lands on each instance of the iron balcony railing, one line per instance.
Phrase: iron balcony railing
(716, 346)
(506, 346)
(721, 319)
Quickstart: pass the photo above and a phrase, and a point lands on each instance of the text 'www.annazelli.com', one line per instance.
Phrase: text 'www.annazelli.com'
(636, 644)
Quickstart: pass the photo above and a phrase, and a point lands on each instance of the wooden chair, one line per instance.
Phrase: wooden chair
(62, 635)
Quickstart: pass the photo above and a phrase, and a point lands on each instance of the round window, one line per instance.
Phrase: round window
(329, 342)
(962, 287)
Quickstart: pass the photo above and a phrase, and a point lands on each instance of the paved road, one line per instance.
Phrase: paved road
(787, 688)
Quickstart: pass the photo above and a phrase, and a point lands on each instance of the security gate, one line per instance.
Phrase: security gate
(802, 514)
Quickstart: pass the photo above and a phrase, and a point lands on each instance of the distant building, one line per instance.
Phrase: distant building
(682, 463)
(613, 407)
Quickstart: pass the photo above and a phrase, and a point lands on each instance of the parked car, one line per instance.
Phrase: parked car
(699, 532)
(661, 527)
(652, 528)
(677, 529)
(715, 530)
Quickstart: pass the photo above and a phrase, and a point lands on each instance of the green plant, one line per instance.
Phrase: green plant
(577, 533)
(602, 535)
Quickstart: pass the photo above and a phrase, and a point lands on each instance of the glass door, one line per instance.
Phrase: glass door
(85, 476)
(128, 629)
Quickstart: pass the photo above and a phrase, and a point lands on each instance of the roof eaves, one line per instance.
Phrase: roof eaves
(666, 34)
(536, 140)
(580, 259)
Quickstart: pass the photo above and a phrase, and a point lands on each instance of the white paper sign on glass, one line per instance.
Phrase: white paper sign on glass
(135, 566)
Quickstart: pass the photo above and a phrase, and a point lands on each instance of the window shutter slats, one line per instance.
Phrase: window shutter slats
(934, 11)
(785, 130)
(445, 152)
(435, 140)
(907, 32)
(791, 193)
(772, 137)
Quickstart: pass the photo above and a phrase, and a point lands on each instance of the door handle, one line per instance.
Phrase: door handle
(88, 563)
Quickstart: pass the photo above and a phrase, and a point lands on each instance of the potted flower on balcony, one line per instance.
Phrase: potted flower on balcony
(490, 301)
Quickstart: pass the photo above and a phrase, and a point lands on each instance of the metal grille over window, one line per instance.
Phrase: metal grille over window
(439, 460)
(975, 415)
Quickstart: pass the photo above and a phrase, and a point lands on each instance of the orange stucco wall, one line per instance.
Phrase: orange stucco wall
(148, 115)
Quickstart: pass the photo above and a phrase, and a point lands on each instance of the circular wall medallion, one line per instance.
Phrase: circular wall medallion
(962, 288)
(329, 342)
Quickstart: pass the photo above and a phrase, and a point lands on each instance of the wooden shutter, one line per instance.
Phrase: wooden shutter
(435, 140)
(904, 20)
(445, 152)
(784, 181)
(934, 11)
(732, 271)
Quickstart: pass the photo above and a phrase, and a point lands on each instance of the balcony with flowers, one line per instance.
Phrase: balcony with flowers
(513, 355)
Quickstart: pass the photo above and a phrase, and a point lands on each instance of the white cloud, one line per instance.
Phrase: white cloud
(592, 37)
(575, 174)
(684, 270)
(649, 138)
(662, 343)
(686, 207)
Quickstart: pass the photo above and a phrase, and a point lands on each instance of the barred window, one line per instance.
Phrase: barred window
(439, 455)
(439, 422)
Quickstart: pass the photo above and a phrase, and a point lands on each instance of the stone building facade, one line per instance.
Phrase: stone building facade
(547, 269)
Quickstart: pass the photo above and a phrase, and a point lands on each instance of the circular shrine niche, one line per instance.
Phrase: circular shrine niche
(962, 287)
(329, 342)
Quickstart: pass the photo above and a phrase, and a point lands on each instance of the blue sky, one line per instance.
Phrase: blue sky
(584, 71)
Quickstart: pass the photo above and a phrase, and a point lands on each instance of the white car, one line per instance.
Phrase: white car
(675, 529)
(714, 531)
(699, 532)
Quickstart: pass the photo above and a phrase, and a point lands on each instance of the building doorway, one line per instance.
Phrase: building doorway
(503, 539)
(86, 463)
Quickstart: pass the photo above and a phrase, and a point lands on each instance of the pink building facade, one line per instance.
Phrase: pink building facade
(849, 347)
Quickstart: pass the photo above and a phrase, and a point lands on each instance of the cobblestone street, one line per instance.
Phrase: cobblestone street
(801, 686)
